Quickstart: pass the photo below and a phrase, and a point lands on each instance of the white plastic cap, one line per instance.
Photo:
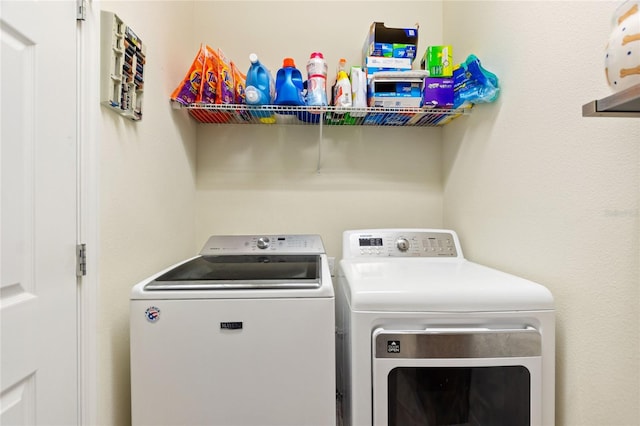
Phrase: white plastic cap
(253, 58)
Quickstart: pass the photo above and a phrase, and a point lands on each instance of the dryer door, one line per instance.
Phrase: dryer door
(463, 376)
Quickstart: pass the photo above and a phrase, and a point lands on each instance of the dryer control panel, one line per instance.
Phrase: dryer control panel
(401, 243)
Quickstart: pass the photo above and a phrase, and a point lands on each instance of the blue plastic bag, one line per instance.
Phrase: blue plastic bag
(473, 84)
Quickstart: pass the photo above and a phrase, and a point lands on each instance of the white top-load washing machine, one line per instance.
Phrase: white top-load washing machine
(241, 335)
(426, 337)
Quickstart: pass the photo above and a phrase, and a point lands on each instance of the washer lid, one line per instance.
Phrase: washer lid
(437, 285)
(242, 272)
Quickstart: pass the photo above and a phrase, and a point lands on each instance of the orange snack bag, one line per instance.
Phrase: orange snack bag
(188, 90)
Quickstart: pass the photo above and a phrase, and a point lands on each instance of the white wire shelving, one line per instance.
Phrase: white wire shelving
(319, 116)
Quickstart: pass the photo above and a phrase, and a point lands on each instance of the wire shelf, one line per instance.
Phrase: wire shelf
(328, 116)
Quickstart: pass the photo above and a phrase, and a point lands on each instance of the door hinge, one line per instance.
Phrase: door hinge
(81, 260)
(81, 10)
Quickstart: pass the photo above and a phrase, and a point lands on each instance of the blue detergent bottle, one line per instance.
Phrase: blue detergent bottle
(259, 89)
(289, 85)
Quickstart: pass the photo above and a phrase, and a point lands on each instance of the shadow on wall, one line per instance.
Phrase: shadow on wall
(295, 157)
(120, 368)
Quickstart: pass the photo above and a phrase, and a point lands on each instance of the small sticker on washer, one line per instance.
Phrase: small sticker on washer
(152, 313)
(393, 347)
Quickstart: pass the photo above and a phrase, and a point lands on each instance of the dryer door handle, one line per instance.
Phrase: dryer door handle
(457, 343)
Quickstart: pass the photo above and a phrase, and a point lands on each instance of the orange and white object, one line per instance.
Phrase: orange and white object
(622, 60)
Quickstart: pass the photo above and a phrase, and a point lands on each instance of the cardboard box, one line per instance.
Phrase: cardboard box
(401, 50)
(438, 60)
(386, 119)
(395, 89)
(395, 94)
(380, 42)
(395, 102)
(373, 64)
(394, 63)
(438, 92)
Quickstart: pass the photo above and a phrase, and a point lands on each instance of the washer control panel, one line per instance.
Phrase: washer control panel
(218, 245)
(401, 243)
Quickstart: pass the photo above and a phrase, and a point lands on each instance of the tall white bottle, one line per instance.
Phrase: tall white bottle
(316, 80)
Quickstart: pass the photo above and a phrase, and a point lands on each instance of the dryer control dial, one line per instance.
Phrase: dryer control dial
(403, 244)
(263, 242)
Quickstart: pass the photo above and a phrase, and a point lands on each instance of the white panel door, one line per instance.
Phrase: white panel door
(38, 312)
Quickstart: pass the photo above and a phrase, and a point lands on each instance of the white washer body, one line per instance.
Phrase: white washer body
(233, 356)
(380, 288)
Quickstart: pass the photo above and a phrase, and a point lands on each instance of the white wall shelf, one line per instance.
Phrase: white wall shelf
(329, 116)
(625, 103)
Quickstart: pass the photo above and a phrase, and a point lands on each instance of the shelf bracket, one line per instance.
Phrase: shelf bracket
(320, 137)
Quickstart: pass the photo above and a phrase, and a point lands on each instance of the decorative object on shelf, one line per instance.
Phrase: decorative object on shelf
(122, 67)
(622, 58)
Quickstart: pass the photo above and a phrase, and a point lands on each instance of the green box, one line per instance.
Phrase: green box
(438, 60)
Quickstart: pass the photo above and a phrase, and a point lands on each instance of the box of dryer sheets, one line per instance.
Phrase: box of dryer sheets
(390, 42)
(398, 89)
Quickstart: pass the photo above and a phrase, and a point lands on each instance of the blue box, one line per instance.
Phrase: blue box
(404, 51)
(381, 40)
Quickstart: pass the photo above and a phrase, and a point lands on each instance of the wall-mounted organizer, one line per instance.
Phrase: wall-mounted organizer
(123, 57)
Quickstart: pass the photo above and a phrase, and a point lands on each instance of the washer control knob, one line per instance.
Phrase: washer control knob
(263, 243)
(402, 244)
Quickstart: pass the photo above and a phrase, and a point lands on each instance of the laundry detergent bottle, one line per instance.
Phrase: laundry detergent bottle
(259, 89)
(342, 88)
(289, 85)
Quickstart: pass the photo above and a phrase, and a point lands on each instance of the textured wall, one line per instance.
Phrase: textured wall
(536, 189)
(263, 180)
(147, 199)
(530, 185)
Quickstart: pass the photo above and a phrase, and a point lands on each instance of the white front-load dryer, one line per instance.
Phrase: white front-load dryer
(426, 337)
(241, 335)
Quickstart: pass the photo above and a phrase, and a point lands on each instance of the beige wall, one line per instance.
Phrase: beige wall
(536, 189)
(531, 186)
(147, 195)
(265, 180)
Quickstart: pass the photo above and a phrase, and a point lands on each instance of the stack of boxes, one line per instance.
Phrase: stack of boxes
(388, 55)
(438, 86)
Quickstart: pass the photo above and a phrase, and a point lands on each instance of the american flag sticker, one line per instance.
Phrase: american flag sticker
(152, 313)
